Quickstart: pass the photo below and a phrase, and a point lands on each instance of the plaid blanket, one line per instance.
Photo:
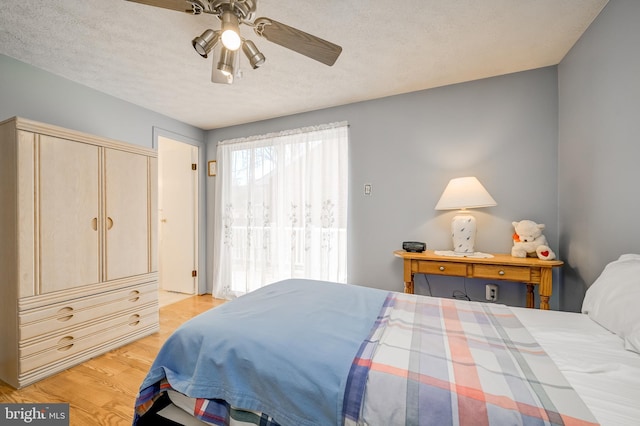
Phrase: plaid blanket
(444, 362)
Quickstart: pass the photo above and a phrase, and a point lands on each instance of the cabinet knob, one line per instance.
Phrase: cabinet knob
(65, 343)
(109, 223)
(442, 268)
(94, 223)
(134, 320)
(65, 314)
(501, 272)
(134, 296)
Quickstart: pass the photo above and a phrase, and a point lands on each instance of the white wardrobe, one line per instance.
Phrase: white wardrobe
(78, 265)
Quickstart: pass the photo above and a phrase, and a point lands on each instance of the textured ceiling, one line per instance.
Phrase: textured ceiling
(143, 54)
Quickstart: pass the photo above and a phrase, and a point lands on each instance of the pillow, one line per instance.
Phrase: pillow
(612, 300)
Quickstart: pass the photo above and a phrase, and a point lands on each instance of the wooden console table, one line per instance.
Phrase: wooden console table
(531, 271)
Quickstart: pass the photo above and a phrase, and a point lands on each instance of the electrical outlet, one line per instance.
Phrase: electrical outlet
(491, 292)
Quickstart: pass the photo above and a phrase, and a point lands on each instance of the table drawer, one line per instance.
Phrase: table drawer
(41, 321)
(498, 272)
(442, 268)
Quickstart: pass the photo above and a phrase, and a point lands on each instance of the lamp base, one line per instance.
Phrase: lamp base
(463, 232)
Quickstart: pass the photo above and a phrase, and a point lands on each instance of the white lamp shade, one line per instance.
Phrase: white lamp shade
(465, 193)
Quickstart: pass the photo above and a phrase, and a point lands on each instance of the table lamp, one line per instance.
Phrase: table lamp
(462, 194)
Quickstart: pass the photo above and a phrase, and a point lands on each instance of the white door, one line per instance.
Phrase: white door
(177, 208)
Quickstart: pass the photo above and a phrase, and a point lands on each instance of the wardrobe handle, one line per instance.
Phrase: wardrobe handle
(65, 343)
(65, 314)
(134, 320)
(94, 223)
(109, 223)
(134, 296)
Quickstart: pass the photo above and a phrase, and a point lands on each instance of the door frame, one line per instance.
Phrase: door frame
(201, 287)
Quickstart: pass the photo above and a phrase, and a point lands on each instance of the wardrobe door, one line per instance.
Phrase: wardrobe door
(67, 194)
(127, 214)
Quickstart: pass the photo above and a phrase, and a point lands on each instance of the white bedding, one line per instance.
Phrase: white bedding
(594, 361)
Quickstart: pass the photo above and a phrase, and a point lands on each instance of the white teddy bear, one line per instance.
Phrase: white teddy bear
(528, 240)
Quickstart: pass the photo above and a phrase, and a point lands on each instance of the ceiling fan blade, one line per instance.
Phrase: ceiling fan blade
(179, 5)
(298, 41)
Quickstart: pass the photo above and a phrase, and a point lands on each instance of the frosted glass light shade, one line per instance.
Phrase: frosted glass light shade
(465, 193)
(230, 31)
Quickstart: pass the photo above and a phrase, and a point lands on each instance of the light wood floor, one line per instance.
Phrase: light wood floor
(102, 391)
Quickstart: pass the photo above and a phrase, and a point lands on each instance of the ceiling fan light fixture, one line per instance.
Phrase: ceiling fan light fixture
(204, 43)
(230, 31)
(228, 40)
(226, 61)
(256, 58)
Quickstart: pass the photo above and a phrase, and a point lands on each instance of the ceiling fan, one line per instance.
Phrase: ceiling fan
(226, 41)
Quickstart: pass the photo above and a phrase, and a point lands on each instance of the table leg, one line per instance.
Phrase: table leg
(546, 287)
(408, 286)
(408, 277)
(544, 302)
(530, 298)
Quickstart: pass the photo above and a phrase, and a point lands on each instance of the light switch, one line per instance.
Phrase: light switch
(367, 189)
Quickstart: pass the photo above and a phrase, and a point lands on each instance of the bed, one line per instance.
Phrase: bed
(304, 352)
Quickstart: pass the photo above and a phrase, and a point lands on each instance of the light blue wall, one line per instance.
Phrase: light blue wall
(502, 130)
(510, 131)
(599, 147)
(35, 94)
(32, 93)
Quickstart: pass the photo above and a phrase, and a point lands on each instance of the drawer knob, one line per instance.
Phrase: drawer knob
(134, 320)
(134, 296)
(65, 314)
(442, 268)
(500, 272)
(65, 343)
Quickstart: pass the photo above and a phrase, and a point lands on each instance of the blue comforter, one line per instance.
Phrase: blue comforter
(255, 352)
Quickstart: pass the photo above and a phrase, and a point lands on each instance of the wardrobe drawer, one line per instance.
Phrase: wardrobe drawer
(58, 316)
(42, 352)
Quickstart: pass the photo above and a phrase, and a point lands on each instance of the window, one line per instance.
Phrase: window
(281, 209)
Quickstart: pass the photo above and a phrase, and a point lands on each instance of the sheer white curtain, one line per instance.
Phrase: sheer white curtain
(281, 209)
